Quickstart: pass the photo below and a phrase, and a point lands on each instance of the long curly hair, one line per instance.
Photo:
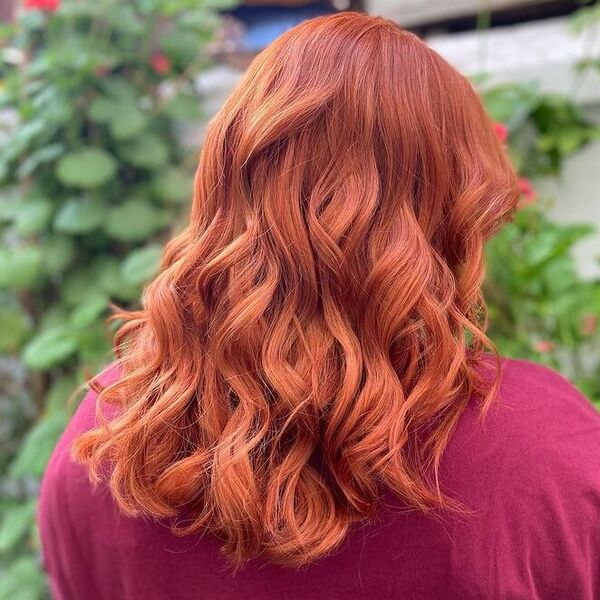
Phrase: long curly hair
(317, 330)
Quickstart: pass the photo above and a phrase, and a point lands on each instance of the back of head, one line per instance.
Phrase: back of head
(317, 330)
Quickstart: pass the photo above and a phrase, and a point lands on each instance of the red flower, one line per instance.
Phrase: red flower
(102, 70)
(589, 324)
(501, 131)
(160, 63)
(527, 192)
(543, 346)
(45, 5)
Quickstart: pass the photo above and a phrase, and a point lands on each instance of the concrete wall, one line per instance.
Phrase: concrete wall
(545, 52)
(417, 12)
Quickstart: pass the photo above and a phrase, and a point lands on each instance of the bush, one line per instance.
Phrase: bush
(93, 174)
(540, 308)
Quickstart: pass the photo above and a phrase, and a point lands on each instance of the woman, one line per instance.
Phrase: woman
(307, 405)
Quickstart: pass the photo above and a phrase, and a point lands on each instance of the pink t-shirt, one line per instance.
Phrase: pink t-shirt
(531, 472)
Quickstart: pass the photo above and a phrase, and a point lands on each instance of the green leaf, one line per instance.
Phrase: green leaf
(22, 579)
(54, 315)
(38, 444)
(119, 88)
(80, 215)
(89, 168)
(16, 523)
(80, 285)
(147, 151)
(134, 220)
(510, 103)
(121, 112)
(59, 252)
(93, 344)
(173, 185)
(20, 267)
(39, 157)
(568, 139)
(32, 19)
(109, 279)
(15, 326)
(60, 394)
(126, 20)
(185, 106)
(585, 17)
(26, 137)
(181, 47)
(102, 109)
(102, 278)
(127, 124)
(50, 348)
(142, 264)
(32, 215)
(10, 200)
(89, 311)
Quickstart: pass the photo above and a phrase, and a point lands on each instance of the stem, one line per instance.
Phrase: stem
(484, 21)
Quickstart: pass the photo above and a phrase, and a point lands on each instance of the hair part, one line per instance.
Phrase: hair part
(316, 332)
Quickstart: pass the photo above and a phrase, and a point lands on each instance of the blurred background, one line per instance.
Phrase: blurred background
(102, 110)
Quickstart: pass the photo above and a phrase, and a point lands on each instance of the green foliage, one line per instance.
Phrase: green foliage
(89, 168)
(23, 579)
(586, 22)
(141, 265)
(544, 128)
(92, 175)
(585, 17)
(15, 524)
(540, 308)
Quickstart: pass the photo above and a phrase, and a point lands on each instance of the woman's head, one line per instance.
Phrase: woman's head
(316, 331)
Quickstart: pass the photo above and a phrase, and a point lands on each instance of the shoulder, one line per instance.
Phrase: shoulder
(529, 383)
(529, 472)
(546, 409)
(541, 433)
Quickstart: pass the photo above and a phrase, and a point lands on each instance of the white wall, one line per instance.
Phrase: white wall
(545, 52)
(416, 12)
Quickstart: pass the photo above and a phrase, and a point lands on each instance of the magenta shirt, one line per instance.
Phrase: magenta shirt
(531, 472)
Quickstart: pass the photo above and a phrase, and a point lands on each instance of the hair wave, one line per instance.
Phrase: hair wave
(317, 330)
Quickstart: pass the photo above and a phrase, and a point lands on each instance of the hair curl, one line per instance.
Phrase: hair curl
(317, 330)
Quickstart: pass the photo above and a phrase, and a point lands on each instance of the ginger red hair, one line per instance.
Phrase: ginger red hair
(317, 330)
